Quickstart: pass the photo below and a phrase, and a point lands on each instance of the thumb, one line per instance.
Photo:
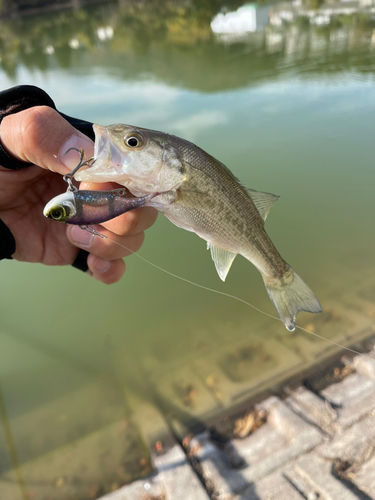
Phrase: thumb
(41, 136)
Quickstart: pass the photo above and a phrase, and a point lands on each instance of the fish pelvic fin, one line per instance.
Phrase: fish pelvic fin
(263, 201)
(222, 258)
(289, 295)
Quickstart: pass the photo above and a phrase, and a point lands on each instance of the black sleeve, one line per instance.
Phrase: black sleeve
(12, 101)
(27, 96)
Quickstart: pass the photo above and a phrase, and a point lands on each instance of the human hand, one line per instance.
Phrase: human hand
(39, 135)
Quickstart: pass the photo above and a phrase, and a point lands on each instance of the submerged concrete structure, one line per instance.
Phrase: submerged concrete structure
(313, 445)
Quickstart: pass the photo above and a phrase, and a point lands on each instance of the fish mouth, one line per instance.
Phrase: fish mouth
(108, 162)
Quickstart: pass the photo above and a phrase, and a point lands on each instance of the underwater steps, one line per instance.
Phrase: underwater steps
(313, 445)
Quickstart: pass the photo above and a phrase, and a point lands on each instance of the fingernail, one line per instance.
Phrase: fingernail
(71, 158)
(101, 265)
(81, 237)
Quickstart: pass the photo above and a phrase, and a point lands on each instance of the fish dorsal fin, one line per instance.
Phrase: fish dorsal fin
(263, 201)
(222, 258)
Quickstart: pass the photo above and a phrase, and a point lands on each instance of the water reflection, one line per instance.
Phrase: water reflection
(173, 43)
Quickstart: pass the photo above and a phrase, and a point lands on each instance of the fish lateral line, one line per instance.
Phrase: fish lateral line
(94, 232)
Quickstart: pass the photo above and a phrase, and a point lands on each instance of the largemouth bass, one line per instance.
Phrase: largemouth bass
(201, 195)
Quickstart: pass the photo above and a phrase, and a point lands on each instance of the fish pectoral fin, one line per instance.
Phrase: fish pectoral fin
(263, 201)
(222, 258)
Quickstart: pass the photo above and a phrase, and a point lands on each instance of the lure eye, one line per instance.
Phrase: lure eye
(133, 141)
(58, 213)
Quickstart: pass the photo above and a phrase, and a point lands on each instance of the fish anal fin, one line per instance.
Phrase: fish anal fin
(222, 258)
(263, 201)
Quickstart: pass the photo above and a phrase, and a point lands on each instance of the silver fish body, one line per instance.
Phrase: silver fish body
(201, 195)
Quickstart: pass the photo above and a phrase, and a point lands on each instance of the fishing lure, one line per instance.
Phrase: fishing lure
(83, 207)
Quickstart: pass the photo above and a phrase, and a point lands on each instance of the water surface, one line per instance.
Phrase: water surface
(288, 106)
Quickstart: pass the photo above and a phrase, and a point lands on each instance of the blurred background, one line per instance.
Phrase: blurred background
(284, 95)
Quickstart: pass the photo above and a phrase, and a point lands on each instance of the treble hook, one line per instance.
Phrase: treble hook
(68, 177)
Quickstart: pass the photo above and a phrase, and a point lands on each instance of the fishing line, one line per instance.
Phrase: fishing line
(90, 161)
(229, 296)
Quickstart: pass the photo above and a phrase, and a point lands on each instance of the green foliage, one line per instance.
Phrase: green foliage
(302, 22)
(313, 4)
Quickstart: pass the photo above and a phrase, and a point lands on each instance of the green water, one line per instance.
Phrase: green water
(289, 108)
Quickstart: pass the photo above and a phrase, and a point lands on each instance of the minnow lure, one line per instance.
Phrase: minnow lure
(83, 207)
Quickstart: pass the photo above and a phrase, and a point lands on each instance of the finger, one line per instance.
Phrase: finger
(112, 248)
(133, 222)
(41, 136)
(106, 271)
(102, 186)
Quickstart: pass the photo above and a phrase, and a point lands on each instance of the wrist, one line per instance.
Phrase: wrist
(7, 242)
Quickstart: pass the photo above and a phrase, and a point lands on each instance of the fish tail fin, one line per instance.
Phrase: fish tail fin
(289, 295)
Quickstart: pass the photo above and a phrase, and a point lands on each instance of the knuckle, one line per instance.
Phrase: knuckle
(138, 241)
(35, 121)
(111, 251)
(35, 129)
(114, 274)
(107, 249)
(131, 222)
(150, 216)
(141, 239)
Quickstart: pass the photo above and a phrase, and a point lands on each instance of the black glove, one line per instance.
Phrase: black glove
(12, 101)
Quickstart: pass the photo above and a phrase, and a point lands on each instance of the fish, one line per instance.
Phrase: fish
(200, 194)
(83, 207)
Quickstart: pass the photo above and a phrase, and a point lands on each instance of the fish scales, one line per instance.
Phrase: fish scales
(243, 222)
(200, 194)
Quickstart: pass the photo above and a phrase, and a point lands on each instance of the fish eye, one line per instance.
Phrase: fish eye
(58, 213)
(133, 140)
